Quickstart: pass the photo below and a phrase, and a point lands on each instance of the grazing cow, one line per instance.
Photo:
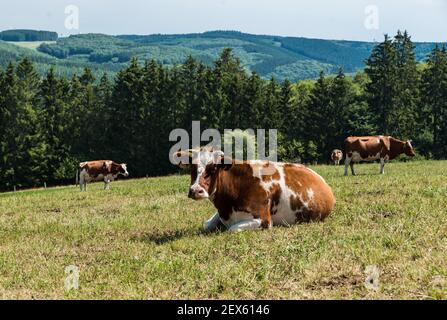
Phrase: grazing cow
(336, 156)
(253, 194)
(385, 148)
(100, 170)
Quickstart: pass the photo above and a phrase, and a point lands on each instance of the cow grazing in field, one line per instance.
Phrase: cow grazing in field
(373, 148)
(336, 156)
(255, 194)
(100, 170)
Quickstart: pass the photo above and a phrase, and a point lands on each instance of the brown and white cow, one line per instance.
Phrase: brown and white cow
(373, 148)
(100, 170)
(255, 194)
(336, 156)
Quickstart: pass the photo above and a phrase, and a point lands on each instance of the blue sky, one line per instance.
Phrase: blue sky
(426, 20)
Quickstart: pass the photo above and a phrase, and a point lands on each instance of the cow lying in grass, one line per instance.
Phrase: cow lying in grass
(255, 194)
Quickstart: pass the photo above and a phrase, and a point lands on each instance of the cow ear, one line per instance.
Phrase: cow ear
(182, 158)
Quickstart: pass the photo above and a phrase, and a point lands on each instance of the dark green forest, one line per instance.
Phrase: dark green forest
(49, 124)
(27, 35)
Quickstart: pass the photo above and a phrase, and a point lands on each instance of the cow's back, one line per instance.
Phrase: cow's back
(308, 194)
(367, 147)
(94, 170)
(296, 193)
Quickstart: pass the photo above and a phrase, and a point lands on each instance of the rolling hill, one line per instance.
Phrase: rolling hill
(293, 58)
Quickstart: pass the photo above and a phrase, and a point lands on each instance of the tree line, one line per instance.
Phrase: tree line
(48, 125)
(28, 35)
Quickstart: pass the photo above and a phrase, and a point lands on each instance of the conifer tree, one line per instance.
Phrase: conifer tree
(381, 68)
(434, 88)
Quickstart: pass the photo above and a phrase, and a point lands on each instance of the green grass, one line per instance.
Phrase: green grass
(143, 240)
(30, 44)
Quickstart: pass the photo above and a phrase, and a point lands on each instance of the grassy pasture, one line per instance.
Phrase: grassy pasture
(30, 44)
(143, 240)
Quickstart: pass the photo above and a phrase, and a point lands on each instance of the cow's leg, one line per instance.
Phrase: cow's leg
(213, 223)
(246, 225)
(347, 163)
(81, 182)
(106, 183)
(352, 168)
(382, 166)
(266, 217)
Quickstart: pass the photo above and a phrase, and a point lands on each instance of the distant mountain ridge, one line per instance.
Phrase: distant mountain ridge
(292, 58)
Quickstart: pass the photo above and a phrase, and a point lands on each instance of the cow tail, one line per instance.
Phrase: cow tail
(77, 177)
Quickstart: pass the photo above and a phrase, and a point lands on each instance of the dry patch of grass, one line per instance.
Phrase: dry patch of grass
(143, 240)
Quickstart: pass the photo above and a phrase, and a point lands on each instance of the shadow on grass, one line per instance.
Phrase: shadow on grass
(162, 237)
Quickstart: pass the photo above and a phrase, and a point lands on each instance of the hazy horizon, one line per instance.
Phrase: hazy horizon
(358, 20)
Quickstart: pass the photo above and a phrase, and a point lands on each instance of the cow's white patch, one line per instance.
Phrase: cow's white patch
(259, 171)
(196, 185)
(310, 194)
(124, 166)
(284, 213)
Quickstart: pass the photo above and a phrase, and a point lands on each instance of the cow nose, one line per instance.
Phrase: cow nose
(195, 192)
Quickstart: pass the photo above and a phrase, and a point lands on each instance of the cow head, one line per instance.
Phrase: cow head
(204, 165)
(122, 169)
(408, 149)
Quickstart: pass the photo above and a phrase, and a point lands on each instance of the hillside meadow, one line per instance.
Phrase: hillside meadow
(143, 240)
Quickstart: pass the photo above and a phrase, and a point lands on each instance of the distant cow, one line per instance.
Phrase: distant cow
(385, 148)
(336, 156)
(255, 194)
(100, 170)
